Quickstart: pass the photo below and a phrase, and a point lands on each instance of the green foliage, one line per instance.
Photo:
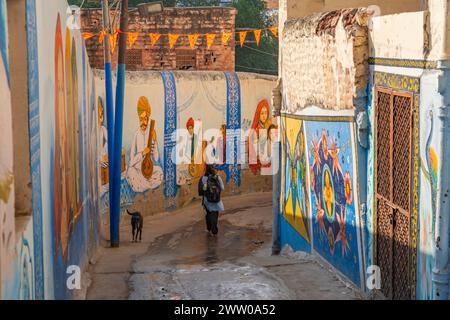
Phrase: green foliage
(131, 3)
(198, 3)
(252, 14)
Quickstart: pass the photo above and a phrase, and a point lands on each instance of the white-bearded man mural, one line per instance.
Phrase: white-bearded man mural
(140, 148)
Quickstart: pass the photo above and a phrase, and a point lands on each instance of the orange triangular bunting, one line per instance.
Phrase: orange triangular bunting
(274, 31)
(210, 40)
(257, 34)
(154, 37)
(132, 37)
(226, 36)
(242, 37)
(173, 38)
(193, 40)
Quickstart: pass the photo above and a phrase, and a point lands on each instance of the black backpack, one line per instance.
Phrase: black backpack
(213, 189)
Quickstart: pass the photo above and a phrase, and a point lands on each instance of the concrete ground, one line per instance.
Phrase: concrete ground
(177, 259)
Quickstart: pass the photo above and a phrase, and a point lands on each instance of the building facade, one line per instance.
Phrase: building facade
(159, 56)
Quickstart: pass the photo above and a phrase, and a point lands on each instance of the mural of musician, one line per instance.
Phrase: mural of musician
(195, 147)
(191, 164)
(258, 145)
(144, 145)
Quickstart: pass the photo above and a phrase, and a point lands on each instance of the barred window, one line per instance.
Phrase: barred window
(186, 59)
(134, 59)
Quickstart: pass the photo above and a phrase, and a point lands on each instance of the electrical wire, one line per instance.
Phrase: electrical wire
(263, 52)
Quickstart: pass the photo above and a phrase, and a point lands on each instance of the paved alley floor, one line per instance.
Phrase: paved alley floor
(178, 259)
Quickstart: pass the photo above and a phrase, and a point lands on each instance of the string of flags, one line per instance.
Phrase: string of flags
(173, 38)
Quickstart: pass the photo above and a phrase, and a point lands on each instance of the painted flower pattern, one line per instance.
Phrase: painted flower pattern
(333, 192)
(348, 188)
(325, 145)
(317, 161)
(334, 213)
(319, 218)
(331, 241)
(342, 236)
(311, 173)
(334, 152)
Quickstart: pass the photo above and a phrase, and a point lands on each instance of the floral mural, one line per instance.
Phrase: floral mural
(334, 213)
(295, 187)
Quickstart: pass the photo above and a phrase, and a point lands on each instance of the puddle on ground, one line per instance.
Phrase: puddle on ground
(194, 246)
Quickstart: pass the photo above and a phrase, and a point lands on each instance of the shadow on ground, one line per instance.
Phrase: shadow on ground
(178, 259)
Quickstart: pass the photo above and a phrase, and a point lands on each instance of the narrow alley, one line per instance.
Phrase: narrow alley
(178, 259)
(315, 131)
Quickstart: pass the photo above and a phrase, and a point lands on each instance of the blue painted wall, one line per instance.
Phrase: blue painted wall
(63, 123)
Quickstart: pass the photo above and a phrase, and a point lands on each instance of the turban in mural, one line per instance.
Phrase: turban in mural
(258, 124)
(143, 106)
(190, 123)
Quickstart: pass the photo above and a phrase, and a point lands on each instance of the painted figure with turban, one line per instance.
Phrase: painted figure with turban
(192, 166)
(139, 149)
(191, 141)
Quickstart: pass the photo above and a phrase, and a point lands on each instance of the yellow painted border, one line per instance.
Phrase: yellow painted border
(403, 63)
(319, 118)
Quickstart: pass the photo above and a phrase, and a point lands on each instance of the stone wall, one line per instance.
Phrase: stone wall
(325, 59)
(144, 56)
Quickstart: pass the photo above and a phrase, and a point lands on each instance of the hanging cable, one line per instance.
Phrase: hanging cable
(262, 52)
(256, 69)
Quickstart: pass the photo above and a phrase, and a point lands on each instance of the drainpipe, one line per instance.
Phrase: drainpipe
(441, 267)
(109, 99)
(441, 272)
(276, 178)
(118, 127)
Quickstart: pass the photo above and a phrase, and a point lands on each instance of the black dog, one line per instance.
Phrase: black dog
(137, 223)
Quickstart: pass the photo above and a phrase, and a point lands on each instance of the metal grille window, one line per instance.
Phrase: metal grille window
(186, 59)
(394, 130)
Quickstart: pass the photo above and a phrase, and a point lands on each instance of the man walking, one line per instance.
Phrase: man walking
(210, 188)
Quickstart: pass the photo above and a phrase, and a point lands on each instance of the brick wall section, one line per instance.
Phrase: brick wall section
(325, 59)
(144, 56)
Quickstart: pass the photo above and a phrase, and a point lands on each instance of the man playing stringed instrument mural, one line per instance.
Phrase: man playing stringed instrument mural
(142, 146)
